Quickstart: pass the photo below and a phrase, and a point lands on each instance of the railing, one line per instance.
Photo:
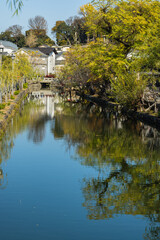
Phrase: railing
(54, 80)
(44, 80)
(47, 79)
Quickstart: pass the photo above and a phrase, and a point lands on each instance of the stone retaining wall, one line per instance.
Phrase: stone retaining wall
(147, 118)
(12, 108)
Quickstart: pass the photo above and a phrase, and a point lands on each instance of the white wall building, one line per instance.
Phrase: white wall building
(8, 47)
(42, 58)
(60, 61)
(51, 54)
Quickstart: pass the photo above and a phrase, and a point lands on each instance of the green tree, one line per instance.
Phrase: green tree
(77, 30)
(125, 42)
(72, 31)
(40, 37)
(13, 73)
(38, 28)
(63, 33)
(14, 34)
(6, 36)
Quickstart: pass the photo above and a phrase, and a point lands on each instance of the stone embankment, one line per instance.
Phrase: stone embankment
(147, 118)
(11, 109)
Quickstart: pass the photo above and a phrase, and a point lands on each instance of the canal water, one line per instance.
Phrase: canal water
(71, 172)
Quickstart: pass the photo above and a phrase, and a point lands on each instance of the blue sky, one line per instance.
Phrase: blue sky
(51, 10)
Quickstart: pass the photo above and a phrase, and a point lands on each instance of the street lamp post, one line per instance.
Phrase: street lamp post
(13, 57)
(1, 53)
(0, 91)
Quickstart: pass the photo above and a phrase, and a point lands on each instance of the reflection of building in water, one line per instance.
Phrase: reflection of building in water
(49, 102)
(47, 99)
(43, 111)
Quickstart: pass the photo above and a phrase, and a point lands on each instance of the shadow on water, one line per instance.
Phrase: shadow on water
(126, 156)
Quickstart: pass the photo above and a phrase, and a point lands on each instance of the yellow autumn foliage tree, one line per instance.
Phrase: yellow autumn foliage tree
(124, 41)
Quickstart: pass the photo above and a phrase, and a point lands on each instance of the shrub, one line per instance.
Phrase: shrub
(12, 97)
(127, 90)
(16, 92)
(2, 106)
(25, 85)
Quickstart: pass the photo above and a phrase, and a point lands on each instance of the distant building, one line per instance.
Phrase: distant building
(60, 61)
(65, 48)
(51, 53)
(44, 46)
(9, 47)
(60, 57)
(42, 58)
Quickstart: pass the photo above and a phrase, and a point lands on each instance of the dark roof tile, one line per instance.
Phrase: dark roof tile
(47, 50)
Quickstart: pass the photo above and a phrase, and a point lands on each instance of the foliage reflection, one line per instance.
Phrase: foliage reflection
(127, 158)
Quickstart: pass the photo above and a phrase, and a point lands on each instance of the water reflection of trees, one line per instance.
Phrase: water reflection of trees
(57, 129)
(37, 129)
(127, 157)
(152, 232)
(32, 116)
(29, 117)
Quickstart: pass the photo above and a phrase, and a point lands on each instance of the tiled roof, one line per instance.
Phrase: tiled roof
(47, 50)
(8, 44)
(35, 51)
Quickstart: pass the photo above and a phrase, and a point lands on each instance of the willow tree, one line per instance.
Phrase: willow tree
(22, 68)
(13, 73)
(6, 75)
(15, 5)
